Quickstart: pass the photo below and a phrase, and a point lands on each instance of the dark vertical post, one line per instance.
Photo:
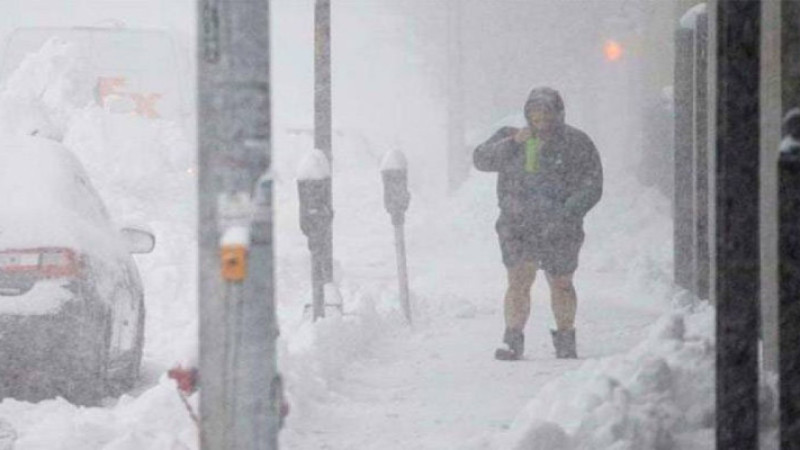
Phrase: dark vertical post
(771, 114)
(788, 245)
(682, 209)
(240, 387)
(737, 222)
(457, 155)
(702, 266)
(323, 132)
(789, 303)
(322, 77)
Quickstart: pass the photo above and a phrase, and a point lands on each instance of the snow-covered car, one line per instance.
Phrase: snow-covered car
(71, 299)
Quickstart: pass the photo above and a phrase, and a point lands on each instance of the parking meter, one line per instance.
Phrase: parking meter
(316, 214)
(316, 217)
(394, 171)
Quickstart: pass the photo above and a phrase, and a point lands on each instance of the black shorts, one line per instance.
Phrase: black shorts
(557, 255)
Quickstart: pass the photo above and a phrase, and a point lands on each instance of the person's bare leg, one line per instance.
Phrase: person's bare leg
(564, 302)
(517, 309)
(518, 295)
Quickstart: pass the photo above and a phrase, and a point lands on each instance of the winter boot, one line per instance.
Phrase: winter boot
(515, 340)
(564, 342)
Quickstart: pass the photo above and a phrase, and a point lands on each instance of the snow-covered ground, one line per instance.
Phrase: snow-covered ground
(365, 379)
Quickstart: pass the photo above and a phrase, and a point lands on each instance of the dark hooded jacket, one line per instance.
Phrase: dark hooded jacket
(568, 183)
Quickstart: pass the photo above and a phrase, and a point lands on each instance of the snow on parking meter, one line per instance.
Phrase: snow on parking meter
(394, 171)
(316, 217)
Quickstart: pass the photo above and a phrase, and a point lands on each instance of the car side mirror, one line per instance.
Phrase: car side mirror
(138, 240)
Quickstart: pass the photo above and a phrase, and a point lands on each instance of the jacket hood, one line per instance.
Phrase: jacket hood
(549, 98)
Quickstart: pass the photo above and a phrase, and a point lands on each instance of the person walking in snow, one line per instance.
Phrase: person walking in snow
(549, 177)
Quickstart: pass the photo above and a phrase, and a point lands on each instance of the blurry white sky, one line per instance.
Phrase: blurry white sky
(176, 15)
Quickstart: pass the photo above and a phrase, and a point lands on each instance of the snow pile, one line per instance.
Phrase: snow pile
(127, 156)
(149, 161)
(155, 420)
(631, 272)
(659, 395)
(646, 399)
(45, 91)
(8, 435)
(315, 354)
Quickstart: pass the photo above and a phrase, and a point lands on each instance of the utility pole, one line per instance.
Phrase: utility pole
(737, 222)
(240, 393)
(323, 133)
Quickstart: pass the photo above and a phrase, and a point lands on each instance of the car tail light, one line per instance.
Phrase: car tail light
(50, 262)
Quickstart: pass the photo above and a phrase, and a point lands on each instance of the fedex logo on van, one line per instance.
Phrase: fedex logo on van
(145, 101)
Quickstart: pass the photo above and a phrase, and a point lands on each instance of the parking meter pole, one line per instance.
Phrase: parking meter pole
(240, 398)
(318, 278)
(394, 172)
(789, 281)
(402, 268)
